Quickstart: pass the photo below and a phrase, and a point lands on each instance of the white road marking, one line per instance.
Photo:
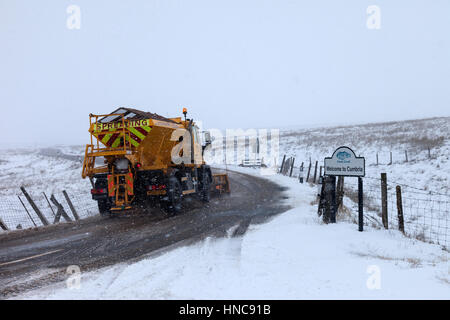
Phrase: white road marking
(28, 258)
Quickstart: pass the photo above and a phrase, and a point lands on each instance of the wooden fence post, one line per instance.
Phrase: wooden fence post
(406, 155)
(34, 206)
(340, 192)
(60, 212)
(429, 153)
(51, 208)
(29, 215)
(300, 175)
(377, 158)
(286, 165)
(282, 164)
(390, 155)
(315, 172)
(292, 167)
(309, 170)
(72, 208)
(2, 225)
(401, 225)
(384, 206)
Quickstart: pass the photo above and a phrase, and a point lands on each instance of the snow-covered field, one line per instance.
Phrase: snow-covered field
(293, 256)
(40, 174)
(414, 137)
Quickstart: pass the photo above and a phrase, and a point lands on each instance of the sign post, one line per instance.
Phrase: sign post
(343, 162)
(360, 205)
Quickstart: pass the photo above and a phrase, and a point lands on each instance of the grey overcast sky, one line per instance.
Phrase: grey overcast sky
(233, 63)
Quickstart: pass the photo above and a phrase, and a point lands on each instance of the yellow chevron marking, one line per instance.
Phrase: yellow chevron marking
(137, 133)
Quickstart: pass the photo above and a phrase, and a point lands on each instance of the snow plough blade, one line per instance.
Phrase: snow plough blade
(220, 183)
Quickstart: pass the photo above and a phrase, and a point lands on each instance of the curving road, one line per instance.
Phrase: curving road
(33, 258)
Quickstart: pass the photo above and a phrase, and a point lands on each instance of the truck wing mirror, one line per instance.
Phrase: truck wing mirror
(206, 138)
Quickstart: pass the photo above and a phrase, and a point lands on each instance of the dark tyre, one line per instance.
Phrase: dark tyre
(205, 187)
(174, 195)
(104, 207)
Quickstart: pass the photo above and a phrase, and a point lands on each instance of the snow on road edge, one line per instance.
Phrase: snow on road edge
(293, 256)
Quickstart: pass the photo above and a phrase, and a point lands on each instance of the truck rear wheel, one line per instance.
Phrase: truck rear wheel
(174, 195)
(104, 207)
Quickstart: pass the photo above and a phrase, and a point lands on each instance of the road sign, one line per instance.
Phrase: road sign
(344, 162)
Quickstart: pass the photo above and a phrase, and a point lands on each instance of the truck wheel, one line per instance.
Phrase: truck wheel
(205, 188)
(174, 193)
(104, 207)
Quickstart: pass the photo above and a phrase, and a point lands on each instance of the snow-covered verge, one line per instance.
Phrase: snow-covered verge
(420, 165)
(293, 256)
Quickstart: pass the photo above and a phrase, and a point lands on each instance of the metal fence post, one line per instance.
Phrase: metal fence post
(401, 225)
(384, 206)
(360, 205)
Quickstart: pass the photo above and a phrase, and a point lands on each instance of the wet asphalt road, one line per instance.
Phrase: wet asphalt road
(33, 258)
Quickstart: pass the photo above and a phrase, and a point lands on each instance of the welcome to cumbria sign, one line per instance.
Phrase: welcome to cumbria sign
(344, 162)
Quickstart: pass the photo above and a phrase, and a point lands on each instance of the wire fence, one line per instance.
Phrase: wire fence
(421, 152)
(426, 214)
(16, 212)
(398, 157)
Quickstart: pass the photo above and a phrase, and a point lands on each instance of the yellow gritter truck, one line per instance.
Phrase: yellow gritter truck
(140, 159)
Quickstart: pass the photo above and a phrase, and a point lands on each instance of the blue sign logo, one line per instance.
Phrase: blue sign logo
(343, 157)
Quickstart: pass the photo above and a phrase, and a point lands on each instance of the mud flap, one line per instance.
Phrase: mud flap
(111, 187)
(220, 183)
(129, 183)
